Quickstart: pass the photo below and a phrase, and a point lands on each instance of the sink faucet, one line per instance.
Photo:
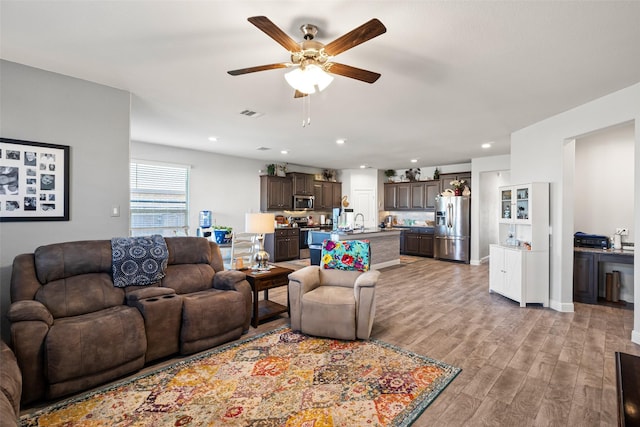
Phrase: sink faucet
(355, 221)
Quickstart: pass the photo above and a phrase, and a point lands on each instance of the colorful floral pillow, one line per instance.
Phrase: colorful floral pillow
(351, 255)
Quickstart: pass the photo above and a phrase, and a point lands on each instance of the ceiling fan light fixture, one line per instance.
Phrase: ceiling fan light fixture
(308, 79)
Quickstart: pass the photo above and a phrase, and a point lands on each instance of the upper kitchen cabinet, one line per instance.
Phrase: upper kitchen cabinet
(390, 197)
(302, 183)
(327, 194)
(431, 189)
(446, 178)
(276, 193)
(419, 195)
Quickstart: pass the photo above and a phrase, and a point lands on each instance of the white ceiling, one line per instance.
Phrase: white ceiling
(454, 74)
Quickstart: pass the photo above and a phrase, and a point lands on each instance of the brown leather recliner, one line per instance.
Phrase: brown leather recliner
(10, 387)
(72, 329)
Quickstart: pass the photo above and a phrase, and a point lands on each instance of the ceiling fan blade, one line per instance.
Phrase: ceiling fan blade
(353, 38)
(299, 94)
(258, 68)
(352, 72)
(269, 28)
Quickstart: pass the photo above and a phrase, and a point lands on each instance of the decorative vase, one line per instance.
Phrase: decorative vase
(457, 191)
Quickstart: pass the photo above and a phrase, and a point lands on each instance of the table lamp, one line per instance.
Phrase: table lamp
(260, 223)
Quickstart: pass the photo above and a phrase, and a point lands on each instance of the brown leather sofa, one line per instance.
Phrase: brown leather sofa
(10, 387)
(72, 330)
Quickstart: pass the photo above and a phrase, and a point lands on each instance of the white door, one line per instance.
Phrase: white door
(364, 202)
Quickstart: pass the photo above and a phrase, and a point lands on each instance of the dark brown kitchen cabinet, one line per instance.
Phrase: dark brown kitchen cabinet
(417, 196)
(302, 183)
(431, 190)
(390, 197)
(327, 194)
(446, 178)
(403, 196)
(585, 278)
(417, 243)
(276, 193)
(283, 244)
(337, 195)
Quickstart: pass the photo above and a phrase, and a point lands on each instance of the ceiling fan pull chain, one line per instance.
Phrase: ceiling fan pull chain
(306, 111)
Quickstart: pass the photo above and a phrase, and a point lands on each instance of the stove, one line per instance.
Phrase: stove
(302, 222)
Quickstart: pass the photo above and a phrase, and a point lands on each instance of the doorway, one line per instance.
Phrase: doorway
(603, 193)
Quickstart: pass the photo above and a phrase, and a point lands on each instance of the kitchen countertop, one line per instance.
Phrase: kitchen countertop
(421, 228)
(604, 251)
(361, 234)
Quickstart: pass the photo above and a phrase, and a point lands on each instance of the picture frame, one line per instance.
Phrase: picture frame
(34, 181)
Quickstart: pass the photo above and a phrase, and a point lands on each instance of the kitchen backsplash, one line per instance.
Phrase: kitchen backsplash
(408, 218)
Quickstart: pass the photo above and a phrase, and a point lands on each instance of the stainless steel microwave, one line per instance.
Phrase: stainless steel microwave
(303, 203)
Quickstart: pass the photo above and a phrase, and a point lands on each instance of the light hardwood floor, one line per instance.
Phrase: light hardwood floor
(528, 366)
(520, 366)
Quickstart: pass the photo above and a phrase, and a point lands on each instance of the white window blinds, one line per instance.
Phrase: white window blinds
(159, 199)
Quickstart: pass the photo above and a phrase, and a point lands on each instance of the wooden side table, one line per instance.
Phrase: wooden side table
(262, 281)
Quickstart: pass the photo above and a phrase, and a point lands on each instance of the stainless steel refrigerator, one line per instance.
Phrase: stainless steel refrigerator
(451, 232)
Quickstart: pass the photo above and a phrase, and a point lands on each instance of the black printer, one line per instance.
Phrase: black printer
(584, 240)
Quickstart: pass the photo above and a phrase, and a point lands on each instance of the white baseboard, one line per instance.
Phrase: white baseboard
(562, 307)
(483, 260)
(635, 336)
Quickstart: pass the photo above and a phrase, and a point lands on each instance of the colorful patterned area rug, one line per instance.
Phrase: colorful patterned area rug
(280, 378)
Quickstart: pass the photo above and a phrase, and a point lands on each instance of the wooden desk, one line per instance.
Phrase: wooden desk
(262, 281)
(586, 271)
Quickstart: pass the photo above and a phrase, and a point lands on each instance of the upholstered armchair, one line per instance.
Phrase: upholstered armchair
(335, 299)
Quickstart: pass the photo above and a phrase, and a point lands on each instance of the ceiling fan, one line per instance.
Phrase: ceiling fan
(313, 61)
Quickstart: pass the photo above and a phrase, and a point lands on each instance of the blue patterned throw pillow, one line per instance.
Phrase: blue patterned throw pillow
(138, 261)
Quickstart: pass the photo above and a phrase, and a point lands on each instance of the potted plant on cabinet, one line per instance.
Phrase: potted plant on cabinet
(271, 169)
(390, 173)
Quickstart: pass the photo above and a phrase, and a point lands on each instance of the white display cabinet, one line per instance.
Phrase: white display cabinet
(519, 263)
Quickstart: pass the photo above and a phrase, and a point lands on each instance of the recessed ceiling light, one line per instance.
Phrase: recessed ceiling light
(213, 139)
(363, 166)
(414, 160)
(284, 152)
(340, 141)
(486, 145)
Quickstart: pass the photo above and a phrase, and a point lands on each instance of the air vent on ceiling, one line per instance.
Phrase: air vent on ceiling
(251, 113)
(263, 148)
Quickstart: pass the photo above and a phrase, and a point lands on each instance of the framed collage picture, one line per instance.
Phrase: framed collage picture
(34, 181)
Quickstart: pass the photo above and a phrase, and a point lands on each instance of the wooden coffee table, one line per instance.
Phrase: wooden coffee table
(262, 281)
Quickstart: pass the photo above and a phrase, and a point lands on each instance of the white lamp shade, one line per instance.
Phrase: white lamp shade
(260, 223)
(308, 79)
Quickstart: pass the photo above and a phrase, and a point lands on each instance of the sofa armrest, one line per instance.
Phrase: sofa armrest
(10, 386)
(22, 311)
(306, 279)
(30, 323)
(228, 279)
(368, 279)
(139, 294)
(300, 282)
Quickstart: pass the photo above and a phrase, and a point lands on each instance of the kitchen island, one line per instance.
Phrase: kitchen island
(384, 244)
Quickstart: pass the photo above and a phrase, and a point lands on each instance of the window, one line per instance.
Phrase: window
(159, 199)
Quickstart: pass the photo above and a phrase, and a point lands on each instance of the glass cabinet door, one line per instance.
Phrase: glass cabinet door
(522, 204)
(506, 205)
